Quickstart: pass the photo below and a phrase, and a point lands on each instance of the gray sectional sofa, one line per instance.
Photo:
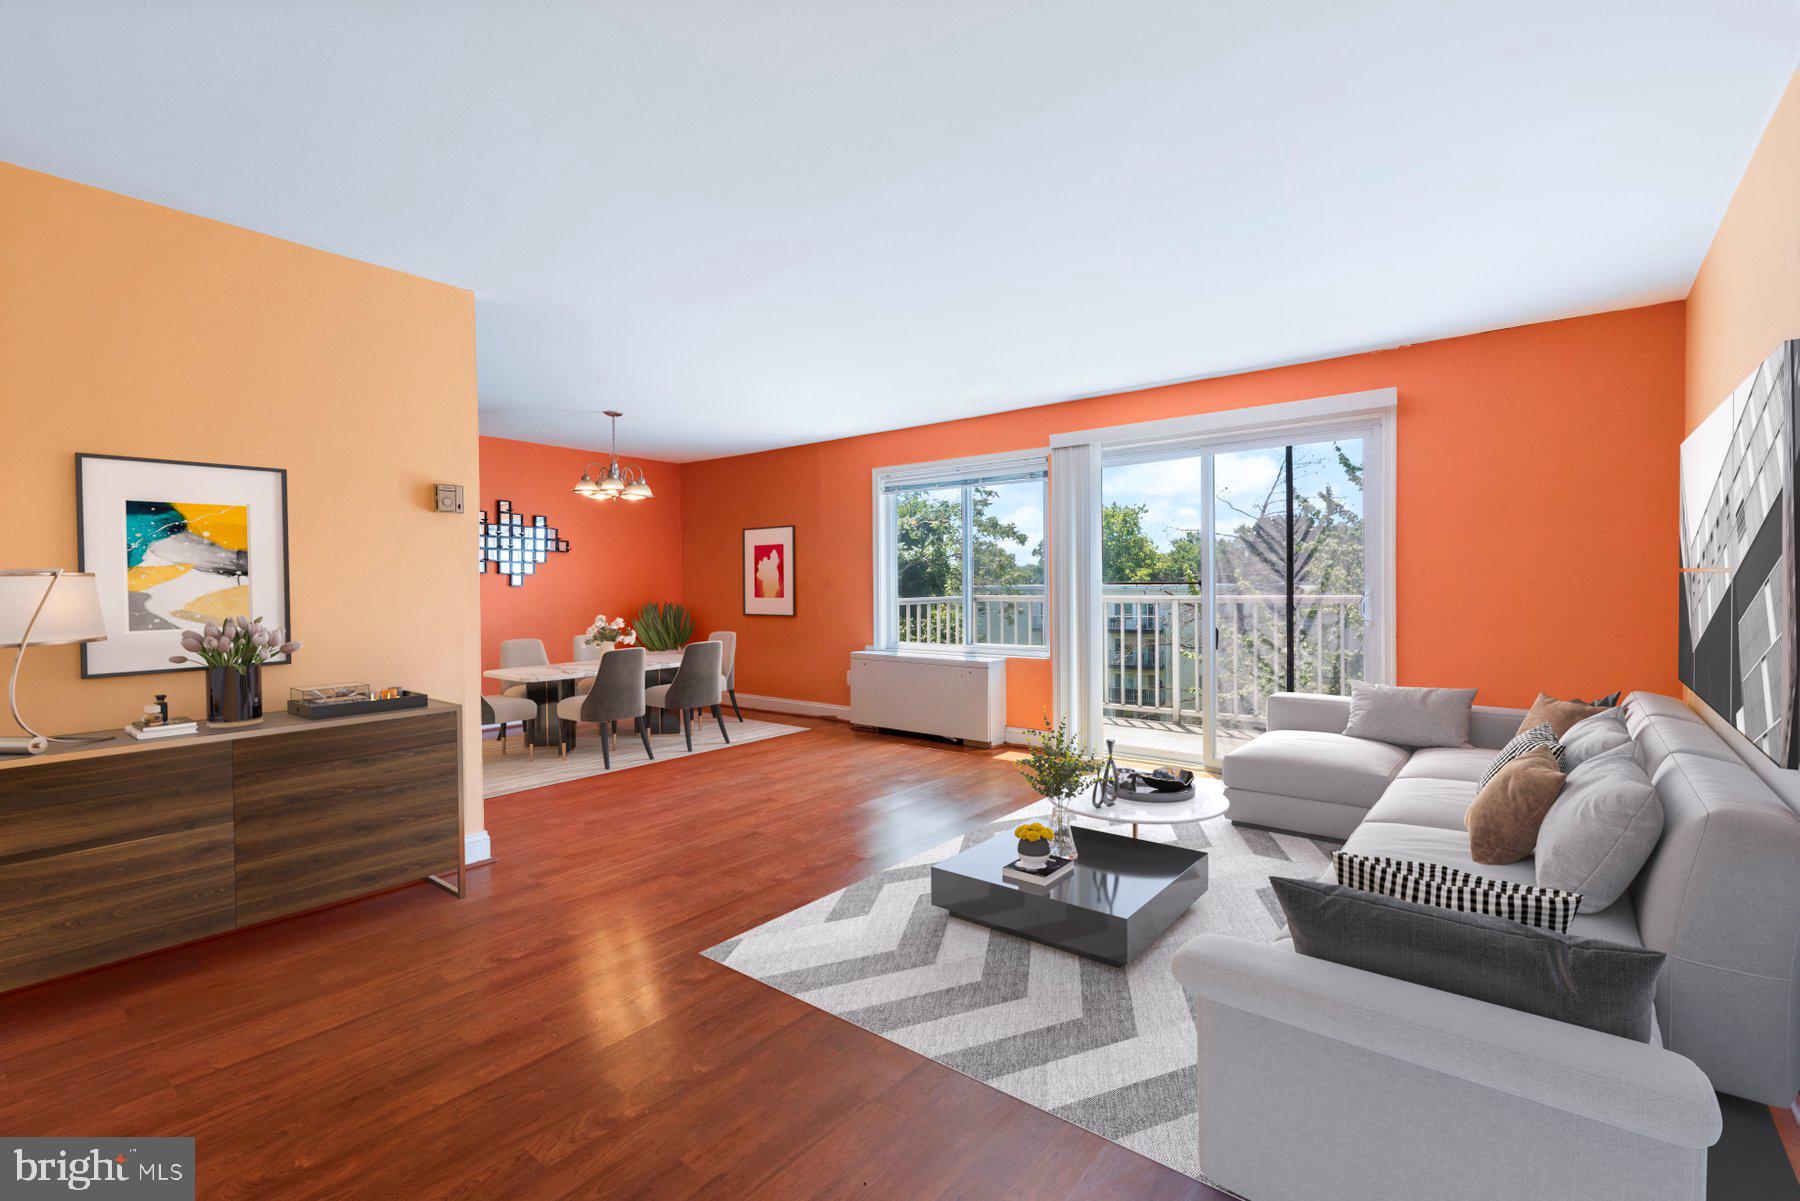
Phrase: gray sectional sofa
(1320, 1080)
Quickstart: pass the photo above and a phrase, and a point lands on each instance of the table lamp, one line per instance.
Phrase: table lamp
(51, 607)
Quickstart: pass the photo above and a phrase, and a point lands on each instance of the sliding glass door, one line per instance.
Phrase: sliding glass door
(1231, 572)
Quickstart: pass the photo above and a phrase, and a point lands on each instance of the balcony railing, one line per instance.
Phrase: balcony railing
(1155, 652)
(1008, 619)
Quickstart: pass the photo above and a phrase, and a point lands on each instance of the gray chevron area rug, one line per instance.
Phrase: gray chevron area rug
(1110, 1049)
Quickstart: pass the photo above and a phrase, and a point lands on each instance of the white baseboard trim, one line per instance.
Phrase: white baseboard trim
(477, 848)
(782, 704)
(1015, 735)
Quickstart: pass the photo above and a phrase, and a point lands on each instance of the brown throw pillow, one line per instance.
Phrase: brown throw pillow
(1503, 822)
(1560, 714)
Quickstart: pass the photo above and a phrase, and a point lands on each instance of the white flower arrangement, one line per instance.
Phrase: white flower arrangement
(607, 631)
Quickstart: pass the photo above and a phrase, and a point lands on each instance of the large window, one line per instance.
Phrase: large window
(961, 555)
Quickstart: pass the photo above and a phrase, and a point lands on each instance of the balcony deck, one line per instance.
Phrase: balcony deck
(1180, 741)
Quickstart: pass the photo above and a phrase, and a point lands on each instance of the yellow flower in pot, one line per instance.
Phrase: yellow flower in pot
(1034, 841)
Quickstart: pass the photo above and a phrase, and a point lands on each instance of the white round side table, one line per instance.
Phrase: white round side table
(1208, 802)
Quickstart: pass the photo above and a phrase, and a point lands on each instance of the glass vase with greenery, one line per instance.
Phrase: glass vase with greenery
(1058, 769)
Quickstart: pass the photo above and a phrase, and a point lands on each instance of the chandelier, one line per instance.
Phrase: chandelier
(619, 483)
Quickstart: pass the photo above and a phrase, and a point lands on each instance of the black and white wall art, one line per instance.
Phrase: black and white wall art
(1738, 510)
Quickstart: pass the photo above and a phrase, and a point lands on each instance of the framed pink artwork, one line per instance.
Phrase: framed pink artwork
(769, 571)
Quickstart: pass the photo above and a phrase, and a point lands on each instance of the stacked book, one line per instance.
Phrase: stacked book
(1047, 870)
(175, 727)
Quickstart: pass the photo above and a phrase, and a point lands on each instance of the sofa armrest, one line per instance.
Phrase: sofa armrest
(1634, 1087)
(1308, 711)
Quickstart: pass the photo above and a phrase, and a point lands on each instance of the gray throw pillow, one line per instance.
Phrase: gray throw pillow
(1593, 736)
(1588, 982)
(1602, 828)
(1412, 717)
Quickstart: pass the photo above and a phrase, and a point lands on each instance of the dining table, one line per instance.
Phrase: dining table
(548, 683)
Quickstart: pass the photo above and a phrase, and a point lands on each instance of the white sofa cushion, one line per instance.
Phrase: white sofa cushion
(1602, 829)
(1315, 766)
(1421, 801)
(1410, 717)
(1604, 731)
(1449, 763)
(1659, 736)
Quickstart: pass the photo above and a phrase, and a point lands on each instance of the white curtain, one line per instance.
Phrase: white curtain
(1077, 647)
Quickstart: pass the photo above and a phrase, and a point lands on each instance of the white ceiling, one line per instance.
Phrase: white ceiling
(753, 223)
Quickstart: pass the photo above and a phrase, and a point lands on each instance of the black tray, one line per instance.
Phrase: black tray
(317, 710)
(1157, 796)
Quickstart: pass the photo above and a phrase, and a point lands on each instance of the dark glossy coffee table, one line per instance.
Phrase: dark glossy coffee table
(1123, 893)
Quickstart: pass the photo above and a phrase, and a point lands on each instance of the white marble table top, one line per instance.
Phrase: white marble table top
(1208, 802)
(546, 673)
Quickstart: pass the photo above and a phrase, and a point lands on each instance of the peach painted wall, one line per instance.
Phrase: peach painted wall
(1537, 488)
(1746, 300)
(1746, 296)
(127, 328)
(621, 554)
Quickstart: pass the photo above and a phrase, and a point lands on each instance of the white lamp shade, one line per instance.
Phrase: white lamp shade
(71, 612)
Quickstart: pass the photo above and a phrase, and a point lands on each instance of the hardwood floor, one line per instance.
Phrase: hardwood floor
(556, 1033)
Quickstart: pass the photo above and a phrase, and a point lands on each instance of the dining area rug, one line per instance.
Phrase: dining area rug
(516, 770)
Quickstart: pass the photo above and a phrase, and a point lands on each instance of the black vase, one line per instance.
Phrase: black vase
(233, 696)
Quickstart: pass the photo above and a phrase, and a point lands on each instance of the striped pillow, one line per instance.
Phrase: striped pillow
(1452, 888)
(1525, 740)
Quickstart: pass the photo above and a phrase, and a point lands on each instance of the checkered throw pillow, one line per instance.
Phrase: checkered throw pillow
(1536, 736)
(1452, 888)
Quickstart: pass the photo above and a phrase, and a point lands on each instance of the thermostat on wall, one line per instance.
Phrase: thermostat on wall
(449, 498)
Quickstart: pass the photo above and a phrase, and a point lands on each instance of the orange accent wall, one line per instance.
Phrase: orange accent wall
(132, 329)
(621, 554)
(1746, 296)
(1535, 528)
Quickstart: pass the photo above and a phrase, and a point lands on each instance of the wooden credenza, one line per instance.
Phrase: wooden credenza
(111, 851)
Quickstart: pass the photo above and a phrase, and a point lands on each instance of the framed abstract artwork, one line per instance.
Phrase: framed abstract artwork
(176, 546)
(769, 571)
(1738, 516)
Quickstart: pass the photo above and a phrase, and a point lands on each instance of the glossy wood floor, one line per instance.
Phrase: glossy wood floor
(556, 1033)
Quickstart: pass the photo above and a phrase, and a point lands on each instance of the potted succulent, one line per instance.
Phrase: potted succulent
(1034, 843)
(665, 627)
(607, 633)
(233, 655)
(1057, 768)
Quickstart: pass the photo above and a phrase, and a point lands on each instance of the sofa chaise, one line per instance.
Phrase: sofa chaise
(1320, 1080)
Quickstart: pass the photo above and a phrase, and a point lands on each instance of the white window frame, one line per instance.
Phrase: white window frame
(1376, 410)
(885, 627)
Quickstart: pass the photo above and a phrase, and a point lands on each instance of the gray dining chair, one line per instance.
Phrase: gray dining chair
(585, 652)
(698, 684)
(728, 666)
(503, 711)
(522, 652)
(618, 693)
